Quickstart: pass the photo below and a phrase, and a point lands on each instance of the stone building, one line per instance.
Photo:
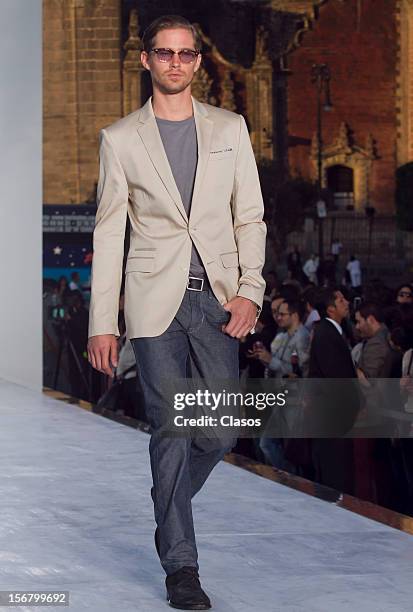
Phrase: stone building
(258, 58)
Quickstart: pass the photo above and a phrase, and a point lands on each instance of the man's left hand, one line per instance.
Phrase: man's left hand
(243, 316)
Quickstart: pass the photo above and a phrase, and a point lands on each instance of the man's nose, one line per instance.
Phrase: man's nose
(176, 60)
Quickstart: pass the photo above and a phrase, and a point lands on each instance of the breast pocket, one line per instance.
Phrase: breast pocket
(221, 154)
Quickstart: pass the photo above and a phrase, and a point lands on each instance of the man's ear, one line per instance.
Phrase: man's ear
(144, 60)
(198, 63)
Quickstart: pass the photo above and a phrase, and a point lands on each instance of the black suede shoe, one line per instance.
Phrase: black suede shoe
(184, 590)
(157, 542)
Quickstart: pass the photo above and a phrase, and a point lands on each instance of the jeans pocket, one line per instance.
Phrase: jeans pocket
(215, 310)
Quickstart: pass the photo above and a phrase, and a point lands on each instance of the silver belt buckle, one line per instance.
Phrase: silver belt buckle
(194, 288)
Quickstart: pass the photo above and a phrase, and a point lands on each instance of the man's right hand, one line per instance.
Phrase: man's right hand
(102, 353)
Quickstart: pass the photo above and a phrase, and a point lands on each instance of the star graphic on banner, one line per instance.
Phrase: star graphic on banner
(57, 250)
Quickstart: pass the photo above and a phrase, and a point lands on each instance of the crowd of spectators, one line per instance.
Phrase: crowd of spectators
(309, 326)
(335, 331)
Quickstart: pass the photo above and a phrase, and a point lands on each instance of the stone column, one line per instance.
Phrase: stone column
(132, 68)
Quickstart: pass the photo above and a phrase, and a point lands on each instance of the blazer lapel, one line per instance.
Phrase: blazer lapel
(151, 138)
(204, 129)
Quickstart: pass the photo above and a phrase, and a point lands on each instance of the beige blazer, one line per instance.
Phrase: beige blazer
(226, 221)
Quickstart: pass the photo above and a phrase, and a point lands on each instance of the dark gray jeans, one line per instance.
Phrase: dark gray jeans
(193, 346)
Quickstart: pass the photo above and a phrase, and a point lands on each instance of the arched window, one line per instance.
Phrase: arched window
(340, 181)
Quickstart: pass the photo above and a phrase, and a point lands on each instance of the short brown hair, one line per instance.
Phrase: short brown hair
(371, 309)
(169, 22)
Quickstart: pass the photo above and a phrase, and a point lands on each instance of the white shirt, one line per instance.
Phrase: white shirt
(336, 248)
(310, 267)
(354, 267)
(336, 325)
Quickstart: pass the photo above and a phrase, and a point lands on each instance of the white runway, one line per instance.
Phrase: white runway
(76, 515)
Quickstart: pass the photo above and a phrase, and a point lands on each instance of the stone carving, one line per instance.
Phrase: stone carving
(259, 98)
(132, 67)
(227, 89)
(201, 86)
(344, 152)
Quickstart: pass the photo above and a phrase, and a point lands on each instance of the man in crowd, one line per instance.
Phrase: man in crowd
(310, 268)
(288, 357)
(336, 404)
(309, 298)
(293, 337)
(374, 333)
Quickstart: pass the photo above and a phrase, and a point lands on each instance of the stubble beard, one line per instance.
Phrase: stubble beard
(169, 87)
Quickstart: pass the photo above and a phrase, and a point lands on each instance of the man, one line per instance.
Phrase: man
(310, 269)
(354, 270)
(185, 174)
(309, 298)
(404, 294)
(292, 339)
(375, 361)
(376, 348)
(330, 355)
(334, 406)
(336, 247)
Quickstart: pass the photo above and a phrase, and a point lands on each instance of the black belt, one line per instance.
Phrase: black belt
(197, 284)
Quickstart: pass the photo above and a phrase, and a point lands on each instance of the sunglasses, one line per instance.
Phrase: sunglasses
(186, 56)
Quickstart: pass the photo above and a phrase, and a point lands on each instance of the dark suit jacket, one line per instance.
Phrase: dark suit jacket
(335, 399)
(330, 355)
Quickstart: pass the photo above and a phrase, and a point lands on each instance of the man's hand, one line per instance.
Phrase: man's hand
(243, 315)
(406, 383)
(262, 354)
(102, 353)
(362, 378)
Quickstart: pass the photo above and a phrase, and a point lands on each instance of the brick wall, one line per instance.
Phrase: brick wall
(404, 90)
(358, 40)
(82, 92)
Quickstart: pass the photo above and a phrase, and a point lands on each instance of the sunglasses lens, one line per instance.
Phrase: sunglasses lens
(187, 56)
(164, 55)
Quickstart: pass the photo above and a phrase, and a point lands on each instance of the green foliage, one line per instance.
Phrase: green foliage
(404, 197)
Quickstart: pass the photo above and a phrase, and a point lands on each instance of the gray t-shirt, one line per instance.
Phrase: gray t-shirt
(181, 148)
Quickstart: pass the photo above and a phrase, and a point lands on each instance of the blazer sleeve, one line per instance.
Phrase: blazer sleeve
(249, 228)
(108, 241)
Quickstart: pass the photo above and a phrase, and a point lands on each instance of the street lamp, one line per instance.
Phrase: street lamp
(320, 75)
